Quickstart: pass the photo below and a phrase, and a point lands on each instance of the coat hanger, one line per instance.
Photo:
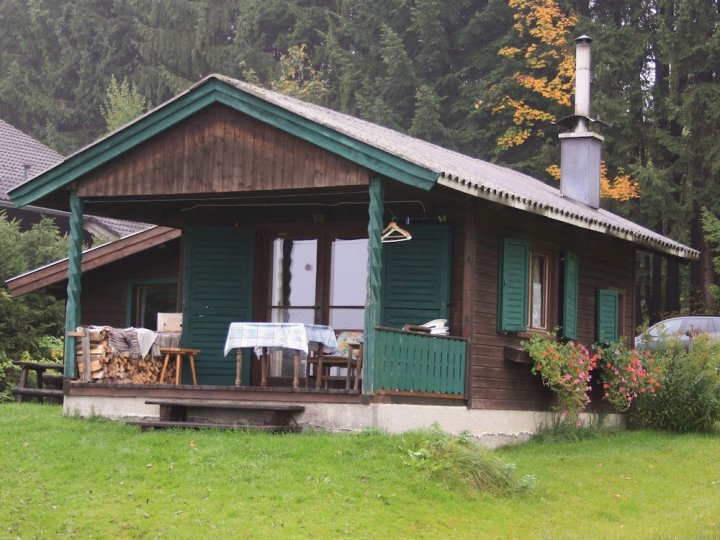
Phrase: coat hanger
(394, 233)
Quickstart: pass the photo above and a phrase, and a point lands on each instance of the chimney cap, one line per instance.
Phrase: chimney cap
(570, 122)
(583, 39)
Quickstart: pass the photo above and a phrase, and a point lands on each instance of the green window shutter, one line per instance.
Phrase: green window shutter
(416, 277)
(218, 290)
(608, 313)
(513, 286)
(570, 296)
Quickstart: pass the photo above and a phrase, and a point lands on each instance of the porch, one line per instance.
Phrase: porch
(408, 363)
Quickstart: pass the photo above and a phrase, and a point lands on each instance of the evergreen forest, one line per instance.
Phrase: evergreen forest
(485, 77)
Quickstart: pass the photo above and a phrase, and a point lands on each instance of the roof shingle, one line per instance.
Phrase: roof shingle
(22, 158)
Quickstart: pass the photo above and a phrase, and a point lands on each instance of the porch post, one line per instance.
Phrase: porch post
(373, 306)
(72, 307)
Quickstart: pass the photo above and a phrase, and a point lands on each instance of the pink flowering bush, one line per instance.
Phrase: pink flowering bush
(564, 368)
(626, 373)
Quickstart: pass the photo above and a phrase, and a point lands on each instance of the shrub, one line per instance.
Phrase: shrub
(457, 461)
(689, 398)
(8, 377)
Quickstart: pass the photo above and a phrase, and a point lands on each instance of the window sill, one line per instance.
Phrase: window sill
(527, 334)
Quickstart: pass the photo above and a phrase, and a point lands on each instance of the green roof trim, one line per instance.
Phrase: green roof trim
(210, 91)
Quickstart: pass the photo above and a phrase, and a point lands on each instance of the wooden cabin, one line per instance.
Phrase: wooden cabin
(282, 206)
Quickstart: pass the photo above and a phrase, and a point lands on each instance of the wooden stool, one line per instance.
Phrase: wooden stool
(179, 352)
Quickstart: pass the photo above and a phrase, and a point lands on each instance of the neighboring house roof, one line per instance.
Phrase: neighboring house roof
(57, 271)
(22, 158)
(380, 149)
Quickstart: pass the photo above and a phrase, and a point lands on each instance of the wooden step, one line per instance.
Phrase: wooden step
(38, 392)
(228, 404)
(166, 424)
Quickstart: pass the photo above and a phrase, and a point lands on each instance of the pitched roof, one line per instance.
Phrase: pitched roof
(57, 271)
(475, 176)
(22, 157)
(381, 149)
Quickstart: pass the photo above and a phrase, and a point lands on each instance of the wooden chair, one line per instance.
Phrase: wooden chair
(349, 358)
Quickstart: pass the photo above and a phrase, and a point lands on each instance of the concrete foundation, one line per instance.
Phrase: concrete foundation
(489, 427)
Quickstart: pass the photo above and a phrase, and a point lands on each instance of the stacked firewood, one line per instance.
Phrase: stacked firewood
(110, 366)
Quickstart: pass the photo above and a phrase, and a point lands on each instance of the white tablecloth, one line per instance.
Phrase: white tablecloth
(259, 335)
(324, 335)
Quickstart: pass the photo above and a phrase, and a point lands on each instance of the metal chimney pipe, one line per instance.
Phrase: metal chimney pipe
(580, 149)
(582, 81)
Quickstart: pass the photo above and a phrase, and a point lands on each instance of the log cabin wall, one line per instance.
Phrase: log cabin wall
(105, 289)
(497, 383)
(220, 150)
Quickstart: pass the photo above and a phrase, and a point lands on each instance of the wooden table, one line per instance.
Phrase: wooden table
(39, 368)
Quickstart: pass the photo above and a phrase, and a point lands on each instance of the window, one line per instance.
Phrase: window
(538, 291)
(299, 286)
(294, 281)
(149, 299)
(348, 283)
(525, 289)
(320, 278)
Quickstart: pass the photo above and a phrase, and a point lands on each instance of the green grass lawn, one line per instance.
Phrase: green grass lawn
(65, 477)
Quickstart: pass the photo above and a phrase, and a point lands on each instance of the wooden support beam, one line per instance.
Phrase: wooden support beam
(373, 306)
(72, 306)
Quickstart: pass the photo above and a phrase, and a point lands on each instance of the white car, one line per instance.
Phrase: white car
(681, 328)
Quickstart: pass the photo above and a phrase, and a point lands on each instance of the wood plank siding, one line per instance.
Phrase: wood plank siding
(220, 150)
(105, 289)
(497, 383)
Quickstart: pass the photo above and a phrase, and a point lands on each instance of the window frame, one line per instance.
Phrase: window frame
(507, 285)
(545, 290)
(134, 285)
(325, 233)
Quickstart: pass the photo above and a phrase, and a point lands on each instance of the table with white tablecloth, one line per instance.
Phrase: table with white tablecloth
(263, 335)
(260, 336)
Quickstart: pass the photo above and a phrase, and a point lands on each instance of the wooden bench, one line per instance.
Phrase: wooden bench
(265, 416)
(41, 392)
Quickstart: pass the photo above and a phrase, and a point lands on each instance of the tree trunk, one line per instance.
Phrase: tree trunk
(672, 287)
(701, 271)
(654, 299)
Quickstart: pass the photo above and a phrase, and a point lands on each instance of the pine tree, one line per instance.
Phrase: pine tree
(426, 123)
(688, 45)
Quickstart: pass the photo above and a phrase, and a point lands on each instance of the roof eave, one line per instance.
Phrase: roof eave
(92, 258)
(505, 199)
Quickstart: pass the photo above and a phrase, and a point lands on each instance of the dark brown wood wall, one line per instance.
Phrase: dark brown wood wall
(105, 289)
(497, 383)
(220, 150)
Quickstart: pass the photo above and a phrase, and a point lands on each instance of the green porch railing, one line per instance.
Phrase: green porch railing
(413, 362)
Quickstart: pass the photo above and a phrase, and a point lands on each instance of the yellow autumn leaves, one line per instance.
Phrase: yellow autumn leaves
(549, 66)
